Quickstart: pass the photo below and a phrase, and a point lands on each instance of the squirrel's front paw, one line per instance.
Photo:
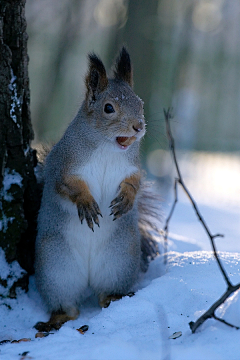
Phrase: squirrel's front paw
(89, 210)
(124, 201)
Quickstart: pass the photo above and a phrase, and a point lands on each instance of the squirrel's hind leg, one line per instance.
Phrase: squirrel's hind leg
(57, 319)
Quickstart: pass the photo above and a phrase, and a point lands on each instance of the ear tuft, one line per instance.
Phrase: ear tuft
(123, 68)
(96, 79)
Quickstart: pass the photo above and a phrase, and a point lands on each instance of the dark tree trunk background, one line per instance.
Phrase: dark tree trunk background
(19, 199)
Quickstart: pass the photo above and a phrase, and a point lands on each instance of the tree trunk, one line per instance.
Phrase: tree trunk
(19, 195)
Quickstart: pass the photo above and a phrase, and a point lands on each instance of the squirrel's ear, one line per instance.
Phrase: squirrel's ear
(96, 79)
(123, 68)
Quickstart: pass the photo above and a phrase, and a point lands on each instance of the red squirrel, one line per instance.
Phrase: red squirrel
(88, 224)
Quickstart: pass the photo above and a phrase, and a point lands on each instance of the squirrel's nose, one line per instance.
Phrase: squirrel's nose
(138, 126)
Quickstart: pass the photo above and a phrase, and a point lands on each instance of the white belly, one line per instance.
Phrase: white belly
(103, 174)
(103, 178)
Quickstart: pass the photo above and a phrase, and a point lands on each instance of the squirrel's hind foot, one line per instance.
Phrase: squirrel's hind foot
(104, 301)
(55, 322)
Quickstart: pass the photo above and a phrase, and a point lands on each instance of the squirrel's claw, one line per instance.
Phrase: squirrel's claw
(119, 206)
(125, 198)
(81, 214)
(89, 212)
(96, 208)
(88, 217)
(118, 199)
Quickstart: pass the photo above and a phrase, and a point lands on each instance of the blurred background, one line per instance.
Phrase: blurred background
(185, 54)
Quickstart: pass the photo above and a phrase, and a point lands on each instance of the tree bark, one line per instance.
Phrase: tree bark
(19, 192)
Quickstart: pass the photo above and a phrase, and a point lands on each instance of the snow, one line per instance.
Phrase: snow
(167, 298)
(4, 222)
(8, 273)
(10, 177)
(137, 327)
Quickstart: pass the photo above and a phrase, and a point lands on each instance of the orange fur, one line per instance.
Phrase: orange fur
(125, 199)
(78, 192)
(75, 190)
(104, 301)
(133, 181)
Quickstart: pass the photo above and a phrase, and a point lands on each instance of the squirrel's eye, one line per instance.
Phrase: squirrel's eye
(108, 108)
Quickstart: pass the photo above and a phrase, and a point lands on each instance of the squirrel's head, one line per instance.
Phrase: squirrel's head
(111, 105)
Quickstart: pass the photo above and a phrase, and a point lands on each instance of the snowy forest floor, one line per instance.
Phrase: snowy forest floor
(166, 300)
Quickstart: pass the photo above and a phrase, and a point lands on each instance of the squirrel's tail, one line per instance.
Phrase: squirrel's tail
(150, 217)
(42, 149)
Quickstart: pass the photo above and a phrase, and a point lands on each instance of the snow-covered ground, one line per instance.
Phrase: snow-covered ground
(166, 300)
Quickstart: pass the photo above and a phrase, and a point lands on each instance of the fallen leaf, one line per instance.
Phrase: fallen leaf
(41, 334)
(20, 340)
(83, 329)
(24, 353)
(24, 356)
(175, 335)
(4, 342)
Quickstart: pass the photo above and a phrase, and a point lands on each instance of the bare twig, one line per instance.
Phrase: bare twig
(168, 219)
(210, 313)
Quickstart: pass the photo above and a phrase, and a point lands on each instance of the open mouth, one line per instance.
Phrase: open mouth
(125, 141)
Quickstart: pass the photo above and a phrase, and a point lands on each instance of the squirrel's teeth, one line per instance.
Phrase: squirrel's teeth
(125, 140)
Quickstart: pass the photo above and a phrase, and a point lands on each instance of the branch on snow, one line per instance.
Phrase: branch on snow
(210, 313)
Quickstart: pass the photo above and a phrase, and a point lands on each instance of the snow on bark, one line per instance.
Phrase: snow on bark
(9, 275)
(16, 102)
